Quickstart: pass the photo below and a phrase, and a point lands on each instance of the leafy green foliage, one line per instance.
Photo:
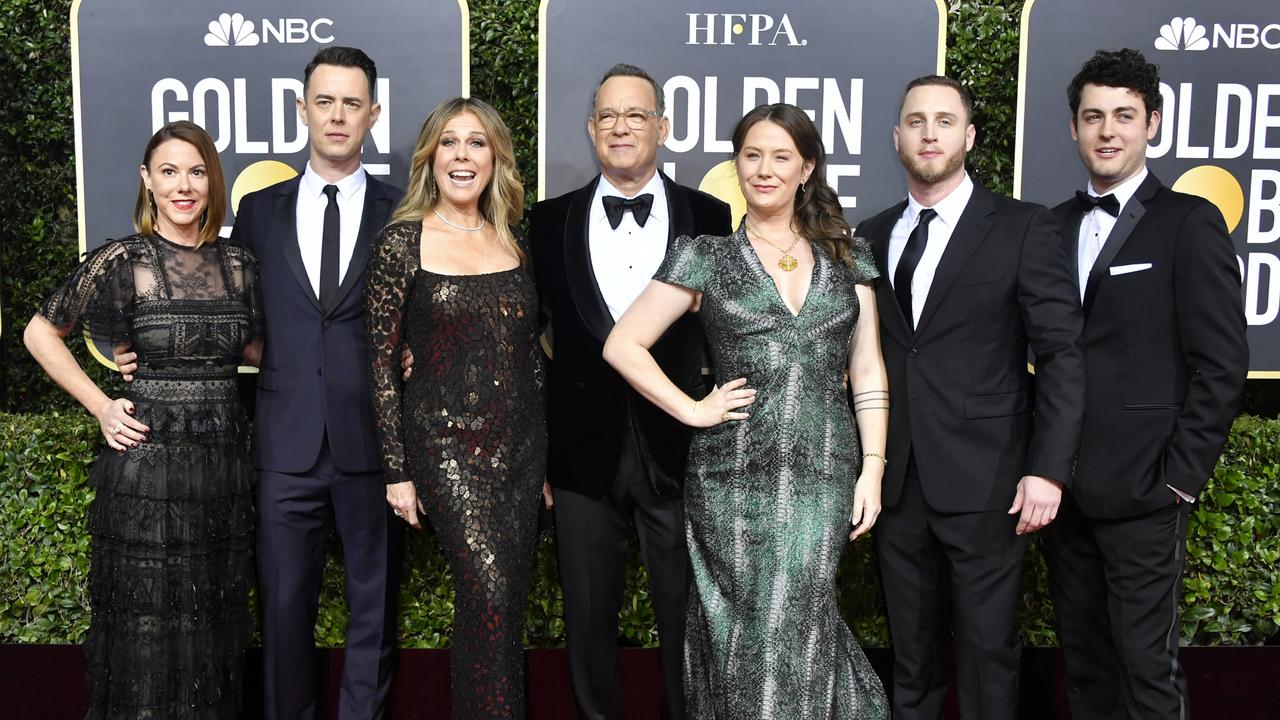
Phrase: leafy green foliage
(1231, 595)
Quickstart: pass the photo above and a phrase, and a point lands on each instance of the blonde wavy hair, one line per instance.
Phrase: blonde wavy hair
(501, 202)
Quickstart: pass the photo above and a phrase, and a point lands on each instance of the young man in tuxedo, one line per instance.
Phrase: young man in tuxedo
(1166, 357)
(318, 459)
(614, 459)
(978, 453)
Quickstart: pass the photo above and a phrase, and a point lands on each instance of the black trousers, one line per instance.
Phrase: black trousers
(295, 515)
(592, 536)
(967, 566)
(1116, 586)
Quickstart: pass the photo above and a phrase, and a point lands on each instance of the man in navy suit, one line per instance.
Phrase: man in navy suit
(314, 433)
(1166, 358)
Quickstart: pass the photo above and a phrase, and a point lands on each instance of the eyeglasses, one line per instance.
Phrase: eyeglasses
(636, 119)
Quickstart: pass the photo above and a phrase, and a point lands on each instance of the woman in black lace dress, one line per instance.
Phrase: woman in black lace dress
(172, 519)
(464, 438)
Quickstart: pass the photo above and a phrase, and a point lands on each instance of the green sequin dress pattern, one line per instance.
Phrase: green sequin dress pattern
(767, 499)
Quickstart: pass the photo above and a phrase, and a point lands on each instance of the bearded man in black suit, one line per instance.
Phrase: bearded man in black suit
(1166, 358)
(614, 459)
(977, 452)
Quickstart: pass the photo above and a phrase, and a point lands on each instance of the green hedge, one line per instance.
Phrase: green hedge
(1232, 594)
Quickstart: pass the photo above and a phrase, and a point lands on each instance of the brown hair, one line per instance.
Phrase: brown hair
(966, 97)
(501, 203)
(818, 216)
(215, 209)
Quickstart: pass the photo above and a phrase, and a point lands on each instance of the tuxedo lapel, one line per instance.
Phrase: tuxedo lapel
(1130, 214)
(284, 220)
(377, 208)
(577, 264)
(678, 209)
(972, 227)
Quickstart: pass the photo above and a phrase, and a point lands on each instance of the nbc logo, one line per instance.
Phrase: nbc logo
(1182, 34)
(231, 30)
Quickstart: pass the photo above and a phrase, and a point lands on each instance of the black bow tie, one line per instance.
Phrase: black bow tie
(1107, 203)
(639, 206)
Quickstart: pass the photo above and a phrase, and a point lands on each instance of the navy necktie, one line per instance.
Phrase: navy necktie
(330, 249)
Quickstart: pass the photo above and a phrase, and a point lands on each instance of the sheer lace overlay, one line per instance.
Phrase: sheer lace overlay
(468, 429)
(172, 520)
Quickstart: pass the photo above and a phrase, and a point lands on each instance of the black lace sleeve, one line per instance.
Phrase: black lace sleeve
(98, 296)
(244, 272)
(386, 291)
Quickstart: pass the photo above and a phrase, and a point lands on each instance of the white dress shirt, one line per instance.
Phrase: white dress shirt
(310, 220)
(1096, 225)
(624, 260)
(949, 210)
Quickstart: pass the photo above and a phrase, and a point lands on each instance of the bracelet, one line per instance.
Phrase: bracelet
(877, 456)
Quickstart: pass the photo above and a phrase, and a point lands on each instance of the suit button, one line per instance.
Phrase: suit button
(319, 371)
(325, 324)
(912, 352)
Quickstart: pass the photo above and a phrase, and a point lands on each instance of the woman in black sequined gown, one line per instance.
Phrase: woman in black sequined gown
(464, 438)
(172, 519)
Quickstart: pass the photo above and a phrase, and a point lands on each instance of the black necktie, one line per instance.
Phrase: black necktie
(1107, 203)
(639, 206)
(911, 255)
(329, 249)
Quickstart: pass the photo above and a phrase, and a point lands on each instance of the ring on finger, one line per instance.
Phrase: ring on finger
(398, 513)
(724, 416)
(115, 429)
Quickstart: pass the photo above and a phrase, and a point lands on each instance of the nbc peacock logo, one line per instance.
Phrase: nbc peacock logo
(231, 29)
(1182, 34)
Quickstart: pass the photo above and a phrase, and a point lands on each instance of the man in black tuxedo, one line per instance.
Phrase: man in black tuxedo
(978, 453)
(1166, 357)
(614, 459)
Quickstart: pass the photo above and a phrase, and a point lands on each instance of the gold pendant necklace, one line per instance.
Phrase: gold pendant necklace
(787, 262)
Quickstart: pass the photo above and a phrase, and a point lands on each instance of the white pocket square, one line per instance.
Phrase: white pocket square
(1126, 269)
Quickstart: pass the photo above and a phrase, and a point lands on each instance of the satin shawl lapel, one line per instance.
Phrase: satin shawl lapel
(284, 220)
(579, 275)
(679, 211)
(973, 226)
(1130, 214)
(877, 234)
(377, 207)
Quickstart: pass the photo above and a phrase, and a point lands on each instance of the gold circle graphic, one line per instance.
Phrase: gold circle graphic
(1218, 187)
(721, 181)
(263, 173)
(738, 28)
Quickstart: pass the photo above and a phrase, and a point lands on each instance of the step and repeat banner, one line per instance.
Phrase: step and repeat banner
(1219, 132)
(236, 70)
(845, 62)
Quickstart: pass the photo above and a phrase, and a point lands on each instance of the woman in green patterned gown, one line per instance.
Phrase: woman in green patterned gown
(776, 475)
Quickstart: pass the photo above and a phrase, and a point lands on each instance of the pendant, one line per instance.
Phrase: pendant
(787, 263)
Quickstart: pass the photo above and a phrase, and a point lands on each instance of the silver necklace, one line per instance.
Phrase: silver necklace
(464, 228)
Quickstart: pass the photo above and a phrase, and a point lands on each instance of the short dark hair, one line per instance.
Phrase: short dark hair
(1126, 69)
(625, 70)
(342, 57)
(966, 97)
